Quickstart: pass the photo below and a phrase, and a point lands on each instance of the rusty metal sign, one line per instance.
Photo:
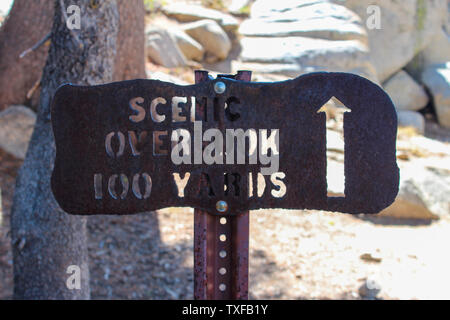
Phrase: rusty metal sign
(142, 145)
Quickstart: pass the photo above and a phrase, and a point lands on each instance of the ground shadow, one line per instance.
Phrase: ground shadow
(264, 269)
(436, 132)
(128, 260)
(389, 221)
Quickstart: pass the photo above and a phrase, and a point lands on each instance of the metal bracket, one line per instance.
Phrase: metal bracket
(221, 244)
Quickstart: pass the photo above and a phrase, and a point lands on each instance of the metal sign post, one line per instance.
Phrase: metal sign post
(223, 146)
(221, 244)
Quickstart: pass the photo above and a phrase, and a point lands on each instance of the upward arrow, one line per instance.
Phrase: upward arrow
(335, 173)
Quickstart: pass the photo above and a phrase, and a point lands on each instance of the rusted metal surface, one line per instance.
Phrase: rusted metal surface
(84, 117)
(208, 262)
(221, 245)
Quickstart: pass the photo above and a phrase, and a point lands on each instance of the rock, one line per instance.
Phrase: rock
(267, 8)
(406, 94)
(166, 78)
(423, 194)
(437, 79)
(162, 49)
(5, 6)
(318, 20)
(188, 13)
(293, 56)
(407, 27)
(447, 23)
(335, 141)
(290, 70)
(413, 119)
(369, 289)
(275, 39)
(16, 127)
(437, 52)
(267, 77)
(211, 36)
(191, 49)
(370, 257)
(239, 6)
(439, 49)
(367, 71)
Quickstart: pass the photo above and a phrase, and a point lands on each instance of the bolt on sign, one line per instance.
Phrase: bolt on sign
(142, 145)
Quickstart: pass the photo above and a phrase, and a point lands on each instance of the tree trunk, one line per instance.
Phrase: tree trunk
(130, 58)
(29, 21)
(45, 239)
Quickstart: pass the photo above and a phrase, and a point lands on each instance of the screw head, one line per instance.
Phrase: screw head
(220, 87)
(221, 206)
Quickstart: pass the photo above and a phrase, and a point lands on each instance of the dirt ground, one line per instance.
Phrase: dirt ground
(293, 254)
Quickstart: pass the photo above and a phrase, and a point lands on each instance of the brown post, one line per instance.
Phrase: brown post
(221, 244)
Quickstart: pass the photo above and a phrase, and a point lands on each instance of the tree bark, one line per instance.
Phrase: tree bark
(29, 21)
(45, 239)
(130, 58)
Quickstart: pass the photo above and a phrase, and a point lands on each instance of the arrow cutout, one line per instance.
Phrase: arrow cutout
(335, 171)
